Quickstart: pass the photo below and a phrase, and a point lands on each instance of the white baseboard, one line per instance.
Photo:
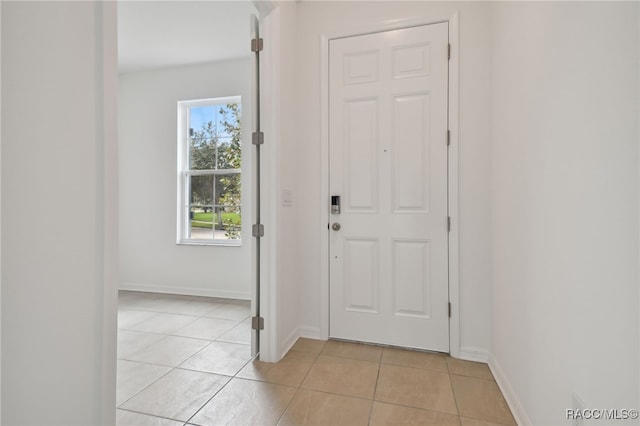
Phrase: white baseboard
(310, 333)
(307, 332)
(519, 414)
(187, 291)
(474, 354)
(288, 342)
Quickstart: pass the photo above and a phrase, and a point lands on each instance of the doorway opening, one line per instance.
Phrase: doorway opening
(187, 204)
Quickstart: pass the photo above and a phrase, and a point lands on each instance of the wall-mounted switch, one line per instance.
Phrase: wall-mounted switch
(287, 197)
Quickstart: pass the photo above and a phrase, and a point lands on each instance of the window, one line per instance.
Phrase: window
(209, 160)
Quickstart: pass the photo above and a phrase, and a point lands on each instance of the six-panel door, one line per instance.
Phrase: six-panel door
(388, 163)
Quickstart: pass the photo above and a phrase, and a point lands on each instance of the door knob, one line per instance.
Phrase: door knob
(336, 226)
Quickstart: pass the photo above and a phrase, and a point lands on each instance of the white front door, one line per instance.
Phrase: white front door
(388, 163)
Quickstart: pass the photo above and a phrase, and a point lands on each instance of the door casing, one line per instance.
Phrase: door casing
(453, 112)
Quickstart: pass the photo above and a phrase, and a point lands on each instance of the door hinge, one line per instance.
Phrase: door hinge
(257, 323)
(449, 51)
(257, 138)
(257, 45)
(448, 137)
(257, 230)
(449, 309)
(448, 223)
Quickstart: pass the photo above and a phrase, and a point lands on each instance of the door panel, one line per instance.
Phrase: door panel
(411, 281)
(361, 155)
(388, 163)
(361, 283)
(410, 168)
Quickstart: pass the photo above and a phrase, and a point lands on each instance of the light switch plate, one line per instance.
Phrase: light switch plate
(287, 197)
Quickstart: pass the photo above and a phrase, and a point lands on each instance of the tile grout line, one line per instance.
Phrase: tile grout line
(118, 407)
(347, 396)
(315, 361)
(485, 420)
(431, 410)
(375, 388)
(172, 368)
(221, 388)
(453, 392)
(150, 415)
(455, 400)
(141, 321)
(209, 400)
(299, 386)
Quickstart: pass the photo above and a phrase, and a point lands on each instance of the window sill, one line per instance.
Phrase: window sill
(217, 243)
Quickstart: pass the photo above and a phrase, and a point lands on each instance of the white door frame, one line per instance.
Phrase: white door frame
(453, 20)
(269, 17)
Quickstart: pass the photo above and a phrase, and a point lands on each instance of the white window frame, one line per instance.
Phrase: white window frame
(183, 219)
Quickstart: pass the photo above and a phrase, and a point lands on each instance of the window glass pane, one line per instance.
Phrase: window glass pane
(202, 151)
(231, 223)
(201, 193)
(201, 223)
(201, 190)
(214, 207)
(202, 138)
(228, 205)
(228, 190)
(229, 149)
(214, 137)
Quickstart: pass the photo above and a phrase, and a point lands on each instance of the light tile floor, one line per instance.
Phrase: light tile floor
(186, 360)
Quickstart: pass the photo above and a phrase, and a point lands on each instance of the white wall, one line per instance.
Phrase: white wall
(58, 236)
(150, 259)
(565, 206)
(317, 18)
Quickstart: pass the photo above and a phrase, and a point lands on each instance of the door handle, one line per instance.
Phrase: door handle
(336, 226)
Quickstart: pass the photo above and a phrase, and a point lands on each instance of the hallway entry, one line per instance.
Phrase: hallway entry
(388, 246)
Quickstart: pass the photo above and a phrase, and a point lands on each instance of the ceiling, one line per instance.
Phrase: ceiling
(156, 34)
